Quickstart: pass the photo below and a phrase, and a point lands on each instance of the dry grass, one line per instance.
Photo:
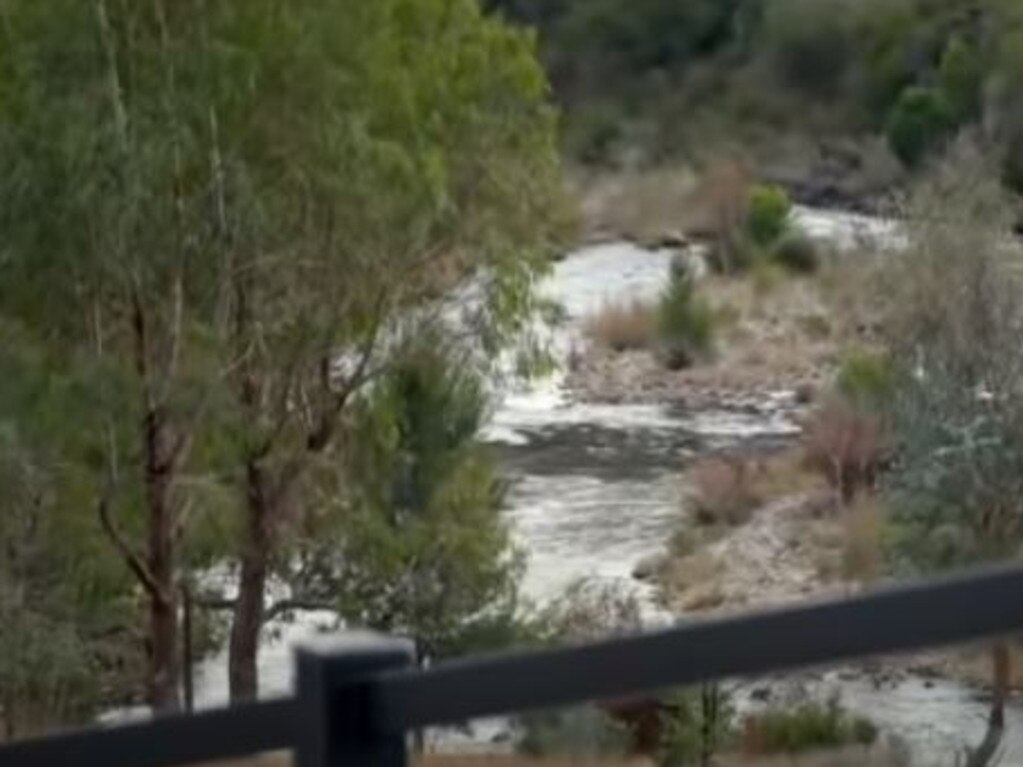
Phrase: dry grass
(643, 205)
(623, 326)
(862, 556)
(727, 490)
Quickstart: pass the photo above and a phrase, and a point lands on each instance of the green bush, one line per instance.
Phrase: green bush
(809, 727)
(700, 723)
(768, 216)
(685, 323)
(920, 120)
(865, 378)
(961, 73)
(797, 253)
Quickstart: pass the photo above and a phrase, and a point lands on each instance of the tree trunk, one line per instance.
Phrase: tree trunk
(164, 668)
(1001, 671)
(243, 675)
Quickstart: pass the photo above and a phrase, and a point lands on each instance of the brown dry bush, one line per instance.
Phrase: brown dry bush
(843, 443)
(623, 326)
(724, 491)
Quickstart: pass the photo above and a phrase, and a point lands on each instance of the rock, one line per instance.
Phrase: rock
(806, 392)
(647, 568)
(672, 238)
(761, 694)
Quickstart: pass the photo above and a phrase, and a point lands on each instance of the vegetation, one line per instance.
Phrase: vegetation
(418, 548)
(206, 269)
(623, 326)
(768, 215)
(685, 321)
(919, 121)
(724, 491)
(662, 78)
(954, 491)
(809, 727)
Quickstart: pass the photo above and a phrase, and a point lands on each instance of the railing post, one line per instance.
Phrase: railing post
(337, 722)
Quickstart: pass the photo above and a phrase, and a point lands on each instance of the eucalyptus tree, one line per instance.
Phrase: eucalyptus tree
(221, 214)
(386, 167)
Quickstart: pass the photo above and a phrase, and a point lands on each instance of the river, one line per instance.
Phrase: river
(595, 489)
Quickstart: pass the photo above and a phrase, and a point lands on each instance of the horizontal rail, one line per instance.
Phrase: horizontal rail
(933, 613)
(898, 619)
(177, 740)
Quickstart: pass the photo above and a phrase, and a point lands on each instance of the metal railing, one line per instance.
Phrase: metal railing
(354, 705)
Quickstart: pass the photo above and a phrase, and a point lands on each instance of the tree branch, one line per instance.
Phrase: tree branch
(131, 557)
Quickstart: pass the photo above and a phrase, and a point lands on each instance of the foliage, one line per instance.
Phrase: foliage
(216, 215)
(866, 378)
(797, 253)
(699, 725)
(808, 727)
(66, 611)
(685, 321)
(768, 217)
(961, 75)
(953, 327)
(811, 44)
(919, 121)
(419, 548)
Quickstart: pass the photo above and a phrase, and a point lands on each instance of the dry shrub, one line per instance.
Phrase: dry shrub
(623, 326)
(641, 205)
(784, 475)
(843, 443)
(696, 581)
(724, 209)
(724, 491)
(861, 546)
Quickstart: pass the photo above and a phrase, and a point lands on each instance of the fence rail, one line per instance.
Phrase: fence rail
(354, 704)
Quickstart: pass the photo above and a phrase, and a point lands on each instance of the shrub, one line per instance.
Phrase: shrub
(698, 724)
(843, 443)
(809, 727)
(724, 192)
(961, 74)
(768, 214)
(623, 326)
(685, 323)
(920, 120)
(797, 253)
(723, 491)
(866, 379)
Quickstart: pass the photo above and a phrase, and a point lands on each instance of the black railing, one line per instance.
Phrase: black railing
(355, 703)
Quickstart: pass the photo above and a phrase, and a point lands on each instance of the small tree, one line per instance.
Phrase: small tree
(418, 546)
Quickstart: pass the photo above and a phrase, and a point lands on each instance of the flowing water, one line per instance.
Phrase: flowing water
(595, 490)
